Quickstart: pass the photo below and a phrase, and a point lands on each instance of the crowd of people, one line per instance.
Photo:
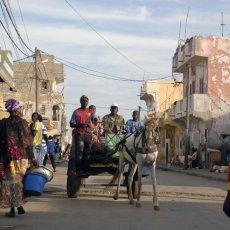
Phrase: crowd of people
(92, 131)
(21, 145)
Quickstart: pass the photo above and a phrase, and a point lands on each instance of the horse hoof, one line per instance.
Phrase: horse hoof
(156, 208)
(131, 202)
(115, 197)
(138, 205)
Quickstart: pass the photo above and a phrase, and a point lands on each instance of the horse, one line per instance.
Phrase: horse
(140, 148)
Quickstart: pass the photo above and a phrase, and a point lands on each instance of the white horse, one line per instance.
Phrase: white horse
(140, 149)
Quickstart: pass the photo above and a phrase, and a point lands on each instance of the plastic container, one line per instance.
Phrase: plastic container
(34, 184)
(44, 171)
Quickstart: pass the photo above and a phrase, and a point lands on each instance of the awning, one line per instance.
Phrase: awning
(6, 68)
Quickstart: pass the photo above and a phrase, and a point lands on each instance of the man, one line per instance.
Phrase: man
(81, 122)
(51, 152)
(57, 150)
(113, 123)
(133, 124)
(36, 131)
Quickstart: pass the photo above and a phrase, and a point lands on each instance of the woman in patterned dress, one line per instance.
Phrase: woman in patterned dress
(13, 160)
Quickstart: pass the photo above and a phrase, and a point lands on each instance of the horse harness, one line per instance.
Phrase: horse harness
(144, 148)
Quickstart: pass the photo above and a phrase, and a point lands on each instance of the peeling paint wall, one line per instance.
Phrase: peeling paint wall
(210, 59)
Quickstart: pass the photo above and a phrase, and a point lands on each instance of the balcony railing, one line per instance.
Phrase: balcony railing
(200, 107)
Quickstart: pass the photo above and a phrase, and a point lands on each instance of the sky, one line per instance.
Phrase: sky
(132, 39)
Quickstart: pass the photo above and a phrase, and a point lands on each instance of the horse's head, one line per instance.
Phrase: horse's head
(151, 134)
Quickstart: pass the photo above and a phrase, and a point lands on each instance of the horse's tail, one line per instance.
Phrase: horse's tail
(114, 178)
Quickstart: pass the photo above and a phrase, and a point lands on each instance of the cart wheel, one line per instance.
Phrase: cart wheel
(73, 185)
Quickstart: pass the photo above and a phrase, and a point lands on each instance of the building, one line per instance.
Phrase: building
(204, 62)
(6, 77)
(37, 90)
(159, 95)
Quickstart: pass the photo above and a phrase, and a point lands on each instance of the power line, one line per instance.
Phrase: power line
(12, 39)
(15, 27)
(105, 40)
(110, 77)
(8, 29)
(23, 22)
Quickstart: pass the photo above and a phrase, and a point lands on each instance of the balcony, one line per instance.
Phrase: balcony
(187, 53)
(200, 107)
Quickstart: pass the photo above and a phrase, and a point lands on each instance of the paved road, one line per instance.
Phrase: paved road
(186, 202)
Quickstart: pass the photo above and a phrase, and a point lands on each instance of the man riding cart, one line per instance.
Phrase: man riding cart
(82, 156)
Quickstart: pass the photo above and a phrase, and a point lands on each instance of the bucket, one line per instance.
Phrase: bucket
(34, 184)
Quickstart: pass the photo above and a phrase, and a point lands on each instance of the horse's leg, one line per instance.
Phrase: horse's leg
(120, 171)
(130, 181)
(154, 183)
(139, 163)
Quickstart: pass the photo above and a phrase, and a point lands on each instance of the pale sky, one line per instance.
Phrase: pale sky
(143, 33)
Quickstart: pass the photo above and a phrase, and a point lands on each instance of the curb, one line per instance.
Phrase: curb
(180, 170)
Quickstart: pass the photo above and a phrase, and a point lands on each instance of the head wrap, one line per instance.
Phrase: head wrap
(11, 105)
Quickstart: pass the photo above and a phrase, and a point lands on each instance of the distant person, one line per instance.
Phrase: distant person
(57, 150)
(36, 131)
(44, 142)
(51, 152)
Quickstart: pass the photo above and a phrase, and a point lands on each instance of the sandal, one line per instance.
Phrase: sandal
(21, 210)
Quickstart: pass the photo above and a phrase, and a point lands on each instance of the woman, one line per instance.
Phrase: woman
(13, 162)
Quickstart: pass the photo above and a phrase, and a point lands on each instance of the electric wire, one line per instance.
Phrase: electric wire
(15, 27)
(23, 23)
(105, 40)
(110, 77)
(12, 39)
(7, 30)
(13, 22)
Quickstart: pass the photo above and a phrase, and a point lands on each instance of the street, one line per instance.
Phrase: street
(186, 202)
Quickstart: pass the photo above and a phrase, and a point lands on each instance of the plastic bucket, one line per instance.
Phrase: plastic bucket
(34, 184)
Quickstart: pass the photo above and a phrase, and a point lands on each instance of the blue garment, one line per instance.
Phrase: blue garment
(132, 125)
(51, 147)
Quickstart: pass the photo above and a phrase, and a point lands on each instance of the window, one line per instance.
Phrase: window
(56, 115)
(43, 110)
(44, 85)
(193, 87)
(201, 85)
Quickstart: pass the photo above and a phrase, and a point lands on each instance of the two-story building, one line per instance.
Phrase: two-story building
(37, 90)
(204, 62)
(159, 95)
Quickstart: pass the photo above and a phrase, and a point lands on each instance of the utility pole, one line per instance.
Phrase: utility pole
(187, 134)
(222, 24)
(36, 79)
(139, 110)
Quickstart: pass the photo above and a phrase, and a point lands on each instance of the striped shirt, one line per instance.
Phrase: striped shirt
(44, 132)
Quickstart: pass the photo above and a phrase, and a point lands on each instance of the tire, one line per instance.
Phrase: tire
(73, 186)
